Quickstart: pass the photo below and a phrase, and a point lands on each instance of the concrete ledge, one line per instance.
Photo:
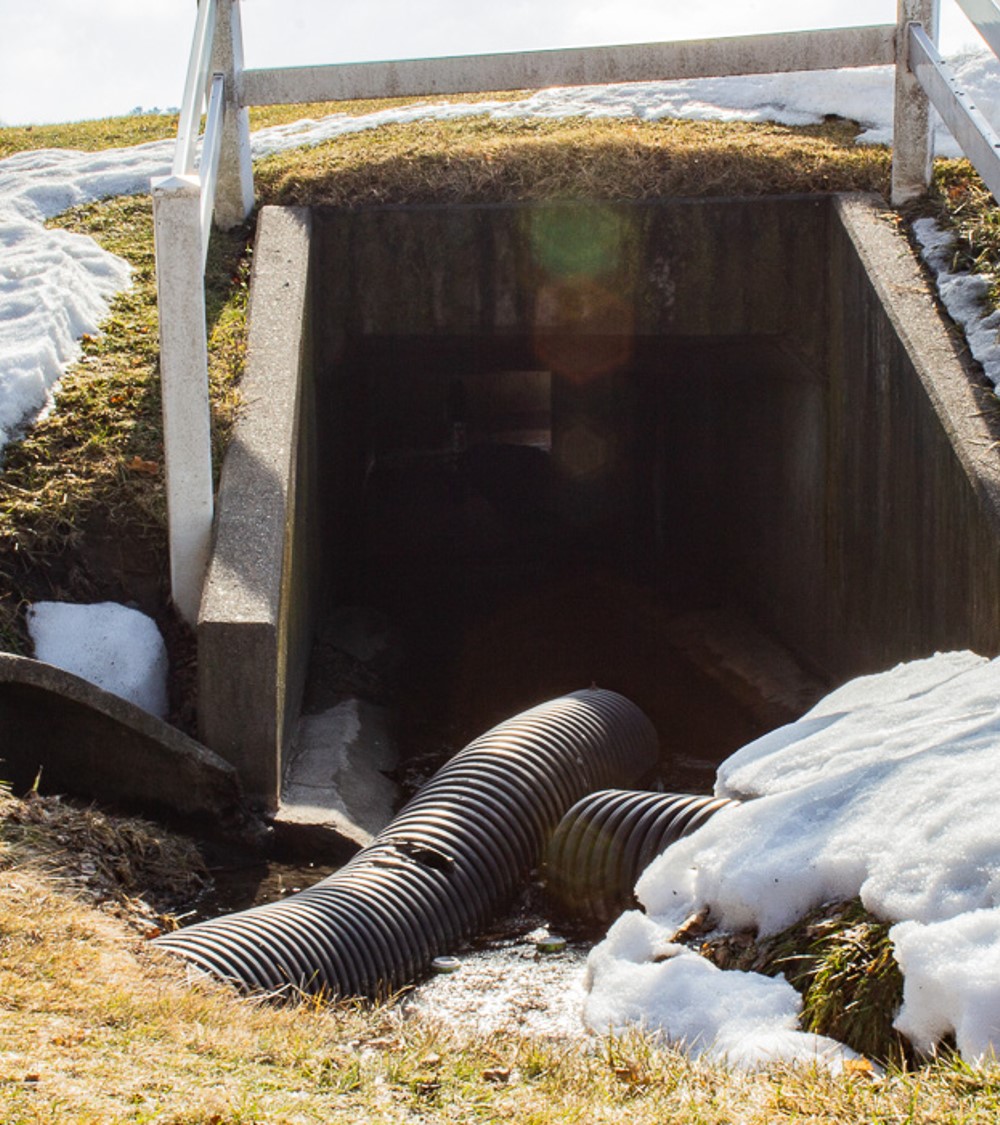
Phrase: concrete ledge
(253, 629)
(336, 795)
(90, 743)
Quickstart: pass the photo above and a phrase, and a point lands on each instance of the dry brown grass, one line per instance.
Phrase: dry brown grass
(99, 1026)
(483, 160)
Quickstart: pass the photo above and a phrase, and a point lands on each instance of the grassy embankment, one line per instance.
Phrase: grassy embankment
(97, 1027)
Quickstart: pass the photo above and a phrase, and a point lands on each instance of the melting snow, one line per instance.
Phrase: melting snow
(887, 789)
(117, 648)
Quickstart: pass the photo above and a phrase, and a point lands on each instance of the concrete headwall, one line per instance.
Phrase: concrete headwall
(768, 398)
(827, 459)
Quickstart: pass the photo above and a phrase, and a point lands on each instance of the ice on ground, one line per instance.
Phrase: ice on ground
(117, 648)
(56, 287)
(887, 790)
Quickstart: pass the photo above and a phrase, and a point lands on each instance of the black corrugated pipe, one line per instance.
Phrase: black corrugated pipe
(453, 858)
(607, 839)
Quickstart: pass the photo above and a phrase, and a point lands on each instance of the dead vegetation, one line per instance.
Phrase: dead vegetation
(484, 160)
(99, 1026)
(127, 866)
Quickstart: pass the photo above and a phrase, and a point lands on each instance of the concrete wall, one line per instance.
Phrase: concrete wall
(262, 595)
(913, 486)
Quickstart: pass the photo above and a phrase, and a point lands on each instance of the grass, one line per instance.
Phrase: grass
(99, 1026)
(479, 159)
(117, 132)
(839, 957)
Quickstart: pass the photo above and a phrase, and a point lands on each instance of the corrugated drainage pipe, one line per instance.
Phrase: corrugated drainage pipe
(454, 856)
(606, 840)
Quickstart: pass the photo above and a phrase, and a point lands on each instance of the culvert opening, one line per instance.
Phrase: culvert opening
(712, 454)
(526, 532)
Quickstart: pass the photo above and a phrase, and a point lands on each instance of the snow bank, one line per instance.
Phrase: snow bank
(887, 789)
(55, 287)
(117, 648)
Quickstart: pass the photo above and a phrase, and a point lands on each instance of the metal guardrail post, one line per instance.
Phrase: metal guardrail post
(184, 385)
(234, 191)
(912, 150)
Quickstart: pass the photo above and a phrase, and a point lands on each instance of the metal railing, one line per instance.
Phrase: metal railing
(221, 184)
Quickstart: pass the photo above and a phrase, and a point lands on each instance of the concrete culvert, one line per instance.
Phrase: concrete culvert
(452, 859)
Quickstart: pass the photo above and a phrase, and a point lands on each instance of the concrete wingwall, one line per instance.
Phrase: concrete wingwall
(763, 393)
(911, 497)
(262, 591)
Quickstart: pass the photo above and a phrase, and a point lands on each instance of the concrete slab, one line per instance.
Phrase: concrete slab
(336, 796)
(751, 667)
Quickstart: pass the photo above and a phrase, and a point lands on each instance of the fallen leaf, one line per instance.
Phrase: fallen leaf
(858, 1066)
(138, 465)
(695, 925)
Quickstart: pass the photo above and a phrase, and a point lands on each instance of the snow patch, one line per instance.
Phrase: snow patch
(743, 1020)
(963, 295)
(117, 648)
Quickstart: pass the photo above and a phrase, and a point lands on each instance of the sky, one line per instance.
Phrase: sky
(63, 60)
